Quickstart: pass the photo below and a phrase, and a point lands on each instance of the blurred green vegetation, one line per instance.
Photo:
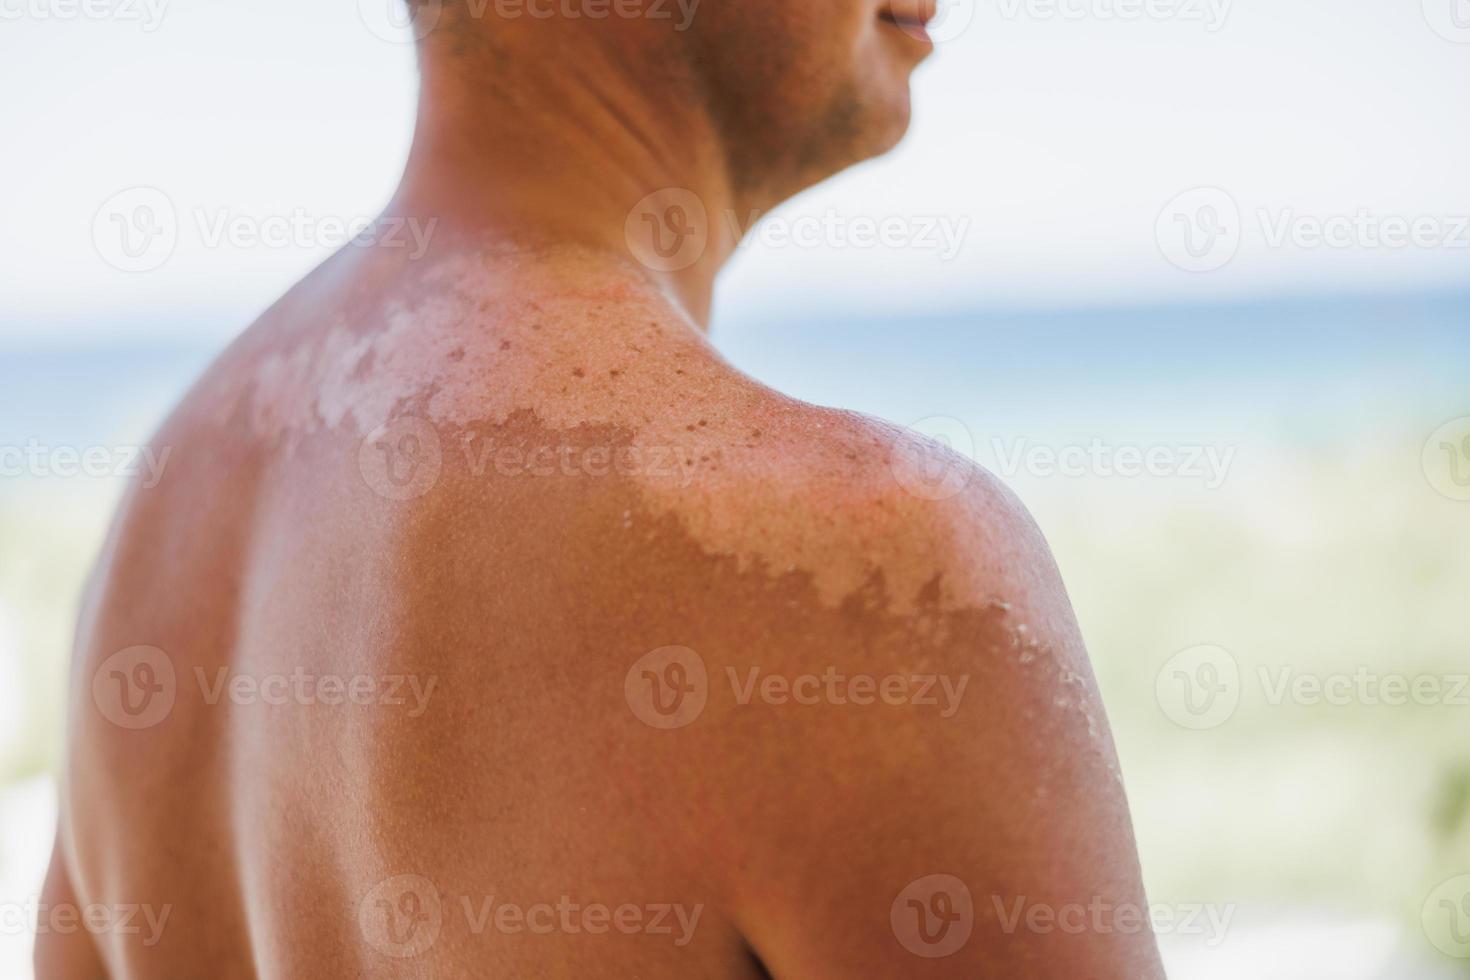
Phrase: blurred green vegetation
(1324, 561)
(1327, 562)
(50, 533)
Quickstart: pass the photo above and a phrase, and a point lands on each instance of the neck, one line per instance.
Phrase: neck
(561, 154)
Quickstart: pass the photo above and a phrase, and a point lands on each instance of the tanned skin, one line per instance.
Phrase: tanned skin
(496, 483)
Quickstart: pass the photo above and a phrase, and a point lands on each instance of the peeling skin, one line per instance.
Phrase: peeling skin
(652, 377)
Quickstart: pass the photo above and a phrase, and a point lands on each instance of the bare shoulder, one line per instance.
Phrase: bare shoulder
(894, 677)
(915, 715)
(863, 505)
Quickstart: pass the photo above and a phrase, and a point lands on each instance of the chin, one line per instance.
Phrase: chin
(899, 116)
(886, 121)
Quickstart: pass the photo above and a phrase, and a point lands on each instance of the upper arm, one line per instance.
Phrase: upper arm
(972, 825)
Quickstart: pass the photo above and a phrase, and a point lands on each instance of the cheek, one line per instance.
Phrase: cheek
(812, 42)
(804, 78)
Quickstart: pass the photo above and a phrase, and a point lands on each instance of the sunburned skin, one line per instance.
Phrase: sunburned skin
(694, 428)
(486, 622)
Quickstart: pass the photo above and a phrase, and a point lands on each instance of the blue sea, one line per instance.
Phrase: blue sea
(1301, 369)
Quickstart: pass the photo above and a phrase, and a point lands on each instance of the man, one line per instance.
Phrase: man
(487, 623)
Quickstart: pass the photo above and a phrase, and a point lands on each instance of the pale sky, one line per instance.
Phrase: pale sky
(1050, 139)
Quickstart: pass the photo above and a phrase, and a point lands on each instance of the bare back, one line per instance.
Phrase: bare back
(426, 658)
